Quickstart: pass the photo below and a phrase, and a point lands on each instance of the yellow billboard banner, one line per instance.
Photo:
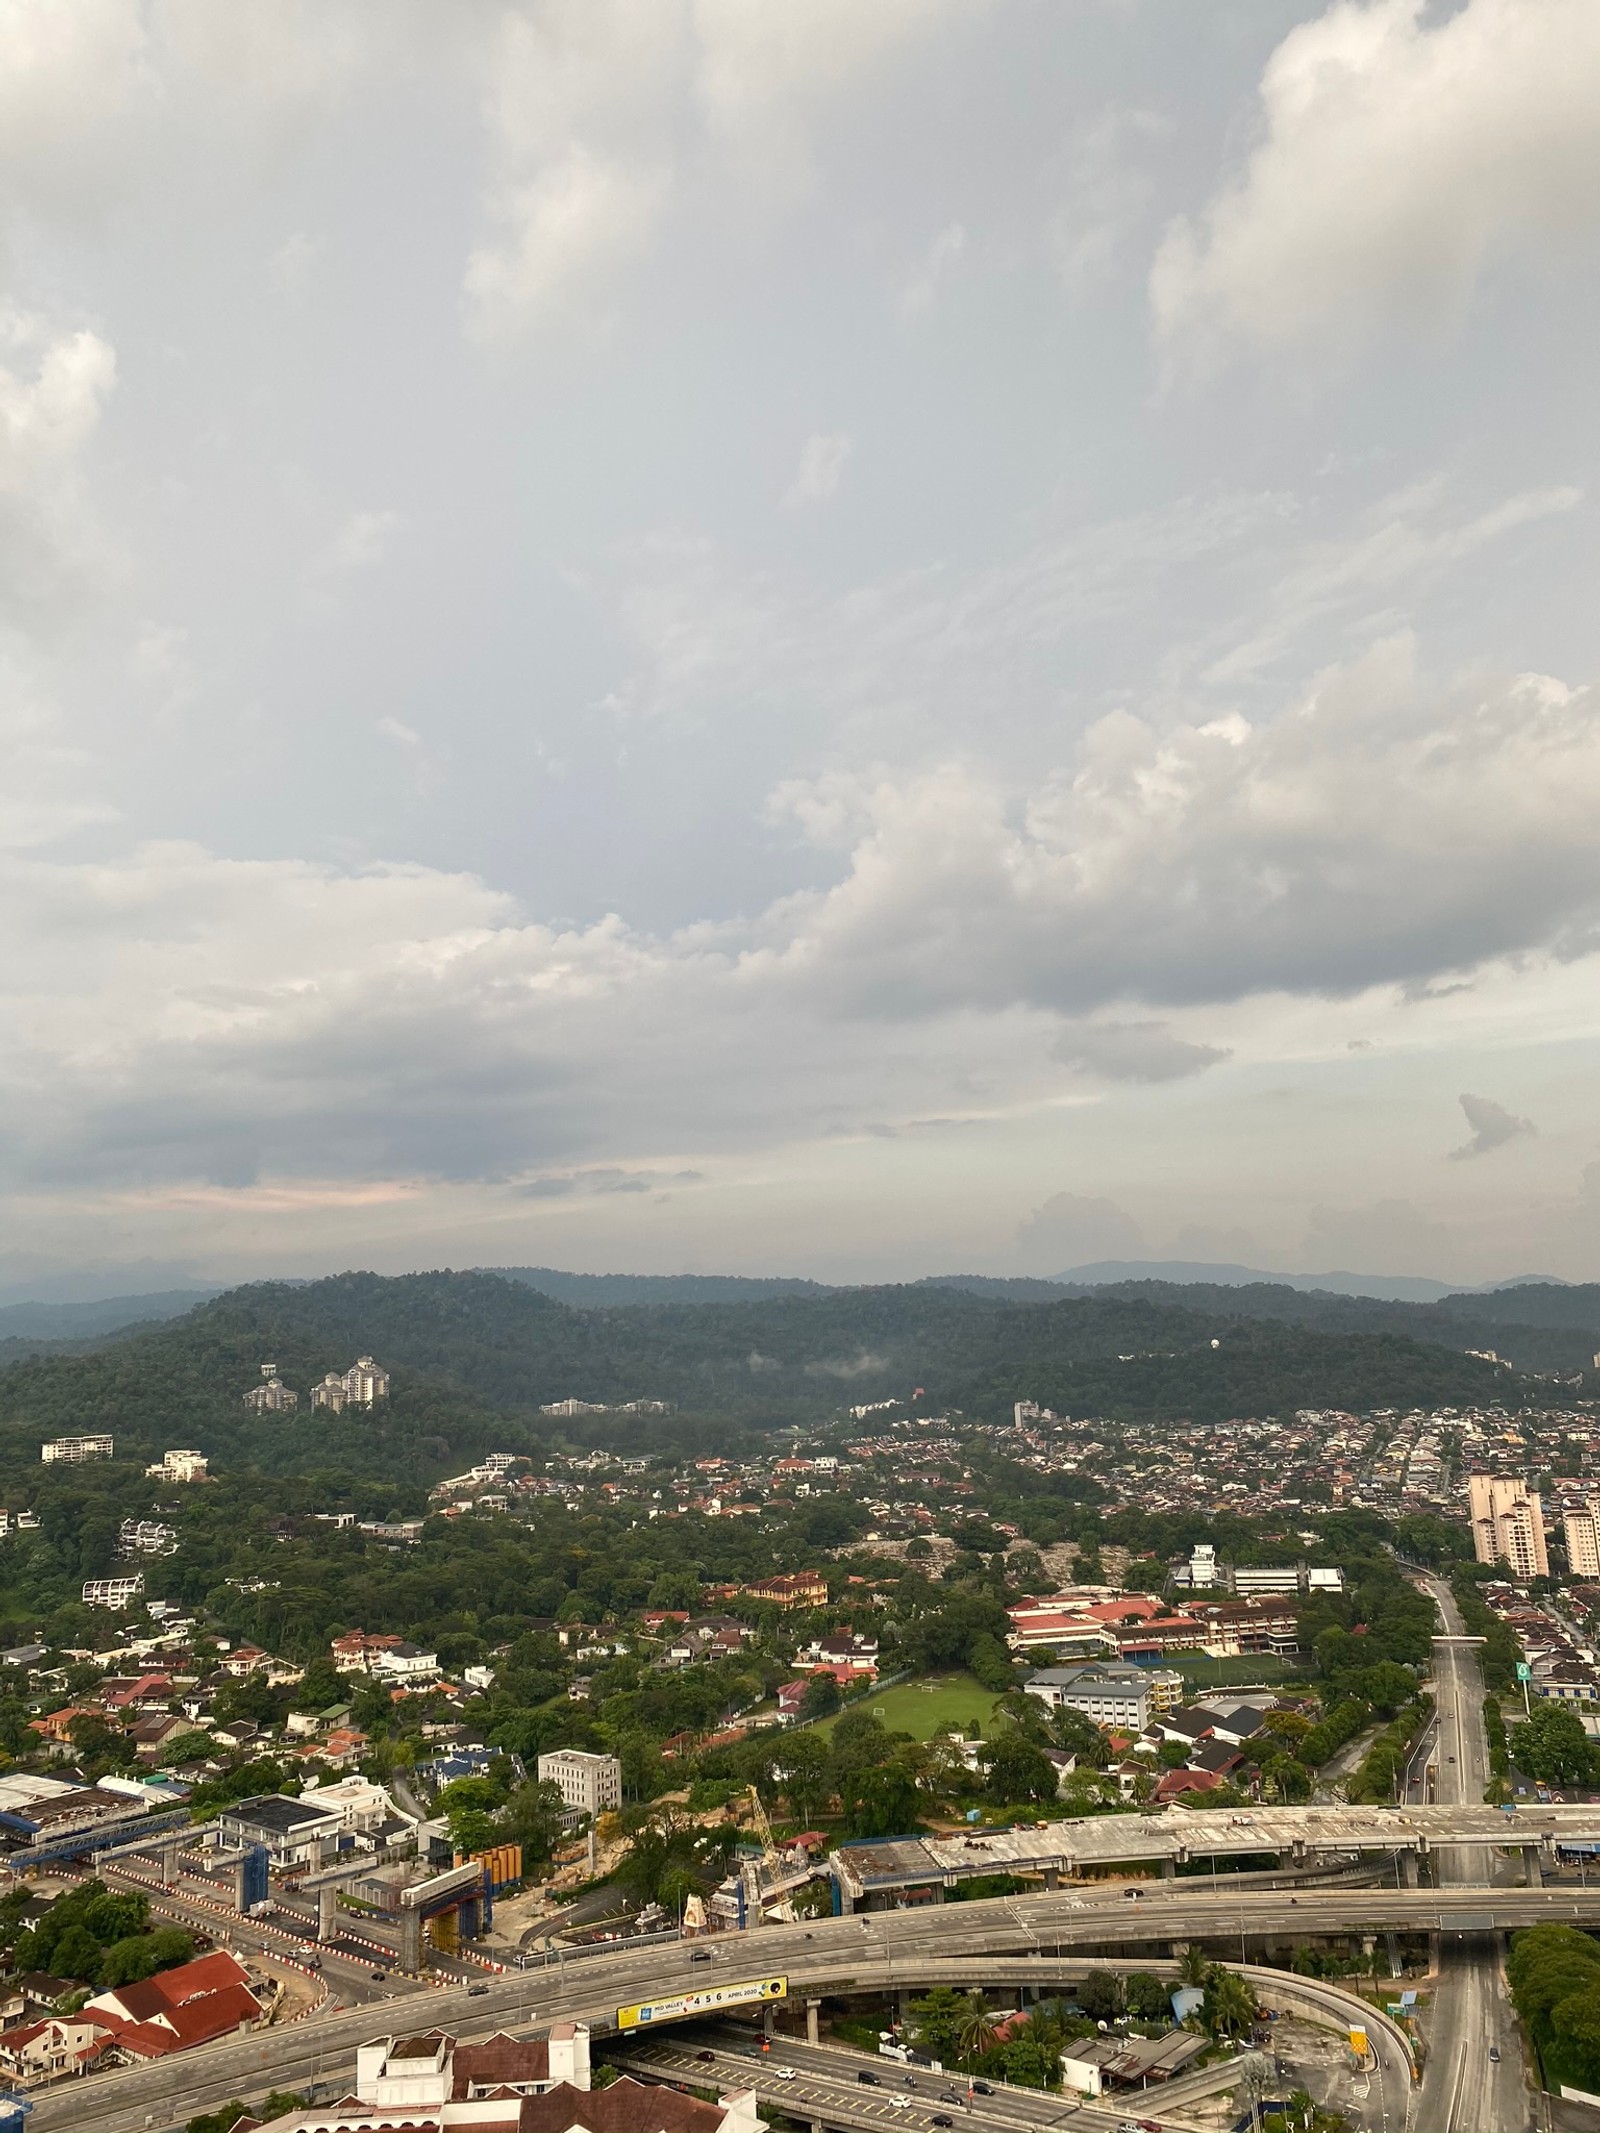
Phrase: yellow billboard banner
(681, 2006)
(1358, 2043)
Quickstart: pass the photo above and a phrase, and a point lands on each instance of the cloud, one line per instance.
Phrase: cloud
(51, 551)
(1386, 1237)
(823, 458)
(562, 1185)
(605, 119)
(361, 542)
(1492, 1126)
(1133, 1051)
(923, 284)
(1384, 829)
(1070, 1230)
(1402, 153)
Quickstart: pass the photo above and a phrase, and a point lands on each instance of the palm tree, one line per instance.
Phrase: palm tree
(977, 2033)
(1194, 1965)
(1230, 2006)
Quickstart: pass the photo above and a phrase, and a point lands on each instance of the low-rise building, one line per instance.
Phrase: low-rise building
(588, 1784)
(405, 1665)
(1121, 1698)
(179, 1466)
(293, 1832)
(76, 1451)
(113, 1592)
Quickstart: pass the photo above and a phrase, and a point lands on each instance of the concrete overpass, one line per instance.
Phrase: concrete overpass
(879, 1952)
(869, 1875)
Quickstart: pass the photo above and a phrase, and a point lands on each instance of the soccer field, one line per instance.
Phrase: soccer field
(925, 1708)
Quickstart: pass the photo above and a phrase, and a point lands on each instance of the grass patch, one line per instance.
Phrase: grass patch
(923, 1708)
(1209, 1673)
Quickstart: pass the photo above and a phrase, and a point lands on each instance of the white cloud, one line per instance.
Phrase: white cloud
(361, 542)
(51, 551)
(1074, 1229)
(1383, 830)
(604, 118)
(1403, 153)
(923, 284)
(823, 458)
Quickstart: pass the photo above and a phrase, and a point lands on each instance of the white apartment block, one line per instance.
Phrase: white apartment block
(362, 1385)
(1580, 1529)
(113, 1592)
(179, 1466)
(272, 1396)
(1508, 1524)
(590, 1784)
(75, 1451)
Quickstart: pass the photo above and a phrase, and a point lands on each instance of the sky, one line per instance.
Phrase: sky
(778, 636)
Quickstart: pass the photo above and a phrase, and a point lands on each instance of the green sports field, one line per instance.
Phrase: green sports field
(923, 1708)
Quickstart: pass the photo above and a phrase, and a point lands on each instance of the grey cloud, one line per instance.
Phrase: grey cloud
(1492, 1126)
(1134, 1051)
(1072, 1229)
(558, 1185)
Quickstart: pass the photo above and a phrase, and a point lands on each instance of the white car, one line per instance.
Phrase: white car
(783, 2073)
(899, 2103)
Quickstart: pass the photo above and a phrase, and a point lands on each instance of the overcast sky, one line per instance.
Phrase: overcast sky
(787, 635)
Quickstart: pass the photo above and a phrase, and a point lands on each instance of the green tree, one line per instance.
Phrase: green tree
(822, 1697)
(937, 2020)
(977, 2033)
(1018, 1772)
(1229, 2008)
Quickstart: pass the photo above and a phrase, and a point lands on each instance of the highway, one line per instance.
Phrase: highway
(824, 2089)
(882, 1951)
(1464, 2090)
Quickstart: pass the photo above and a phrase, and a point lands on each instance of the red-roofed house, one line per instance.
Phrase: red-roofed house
(191, 2004)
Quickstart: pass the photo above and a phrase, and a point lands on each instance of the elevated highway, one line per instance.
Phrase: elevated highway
(871, 1874)
(889, 1951)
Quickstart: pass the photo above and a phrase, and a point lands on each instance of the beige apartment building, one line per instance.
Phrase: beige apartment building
(1580, 1529)
(1508, 1525)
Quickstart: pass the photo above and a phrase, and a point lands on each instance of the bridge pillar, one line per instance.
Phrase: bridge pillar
(327, 1914)
(1369, 1950)
(169, 1866)
(411, 1942)
(1532, 1870)
(813, 2035)
(1169, 1869)
(903, 2005)
(1052, 1877)
(1410, 1871)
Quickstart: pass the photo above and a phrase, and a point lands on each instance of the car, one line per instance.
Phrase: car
(982, 2088)
(867, 2079)
(1449, 1758)
(475, 1992)
(705, 2055)
(380, 1975)
(699, 1955)
(899, 2103)
(312, 1962)
(783, 2073)
(941, 2118)
(1133, 1895)
(1494, 2055)
(949, 2096)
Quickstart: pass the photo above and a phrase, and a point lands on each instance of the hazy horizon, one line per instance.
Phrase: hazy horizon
(840, 641)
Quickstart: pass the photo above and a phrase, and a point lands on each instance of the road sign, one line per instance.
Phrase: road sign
(1524, 1671)
(680, 2005)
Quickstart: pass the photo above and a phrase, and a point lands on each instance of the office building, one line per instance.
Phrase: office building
(1580, 1529)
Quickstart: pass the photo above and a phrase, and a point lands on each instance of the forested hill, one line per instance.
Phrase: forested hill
(472, 1352)
(595, 1292)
